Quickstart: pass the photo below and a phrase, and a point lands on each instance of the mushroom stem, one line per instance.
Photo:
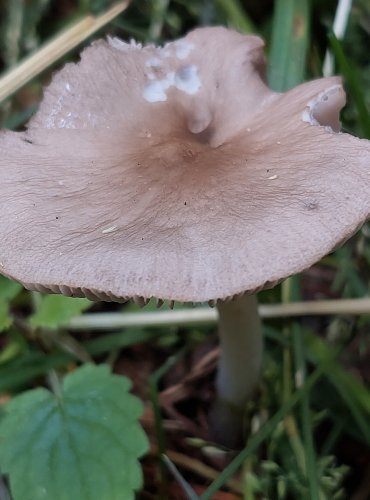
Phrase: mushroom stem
(241, 342)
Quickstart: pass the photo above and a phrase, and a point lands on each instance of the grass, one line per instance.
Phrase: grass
(313, 432)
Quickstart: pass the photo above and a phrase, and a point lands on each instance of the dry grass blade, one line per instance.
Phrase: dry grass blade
(201, 316)
(70, 38)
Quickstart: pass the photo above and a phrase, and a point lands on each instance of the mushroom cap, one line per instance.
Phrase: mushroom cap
(174, 172)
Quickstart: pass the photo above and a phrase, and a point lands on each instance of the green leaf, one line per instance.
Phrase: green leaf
(8, 290)
(13, 347)
(33, 364)
(56, 310)
(83, 443)
(5, 319)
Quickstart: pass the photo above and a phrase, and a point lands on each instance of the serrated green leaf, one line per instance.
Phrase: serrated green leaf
(82, 444)
(56, 310)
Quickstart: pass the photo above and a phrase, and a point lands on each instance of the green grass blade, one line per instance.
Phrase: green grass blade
(259, 437)
(154, 381)
(354, 84)
(188, 490)
(355, 395)
(157, 19)
(17, 374)
(306, 421)
(290, 38)
(236, 16)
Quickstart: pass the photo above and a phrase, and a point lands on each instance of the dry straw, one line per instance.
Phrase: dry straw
(52, 51)
(199, 316)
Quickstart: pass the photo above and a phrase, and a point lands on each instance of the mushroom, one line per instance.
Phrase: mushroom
(174, 172)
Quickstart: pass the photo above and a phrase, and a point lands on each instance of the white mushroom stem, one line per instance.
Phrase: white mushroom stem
(240, 332)
(241, 343)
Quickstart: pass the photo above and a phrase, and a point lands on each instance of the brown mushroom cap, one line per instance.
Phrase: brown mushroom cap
(176, 173)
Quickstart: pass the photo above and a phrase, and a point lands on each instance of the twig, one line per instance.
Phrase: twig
(206, 316)
(33, 65)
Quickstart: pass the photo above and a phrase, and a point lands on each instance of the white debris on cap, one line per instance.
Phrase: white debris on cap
(153, 62)
(154, 90)
(183, 49)
(119, 44)
(322, 98)
(185, 79)
(110, 229)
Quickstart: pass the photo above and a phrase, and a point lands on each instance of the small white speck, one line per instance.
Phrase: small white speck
(154, 92)
(169, 80)
(248, 129)
(327, 128)
(272, 178)
(135, 44)
(278, 142)
(187, 80)
(183, 49)
(145, 133)
(117, 43)
(1, 264)
(60, 183)
(153, 62)
(110, 229)
(68, 87)
(165, 53)
(255, 424)
(299, 379)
